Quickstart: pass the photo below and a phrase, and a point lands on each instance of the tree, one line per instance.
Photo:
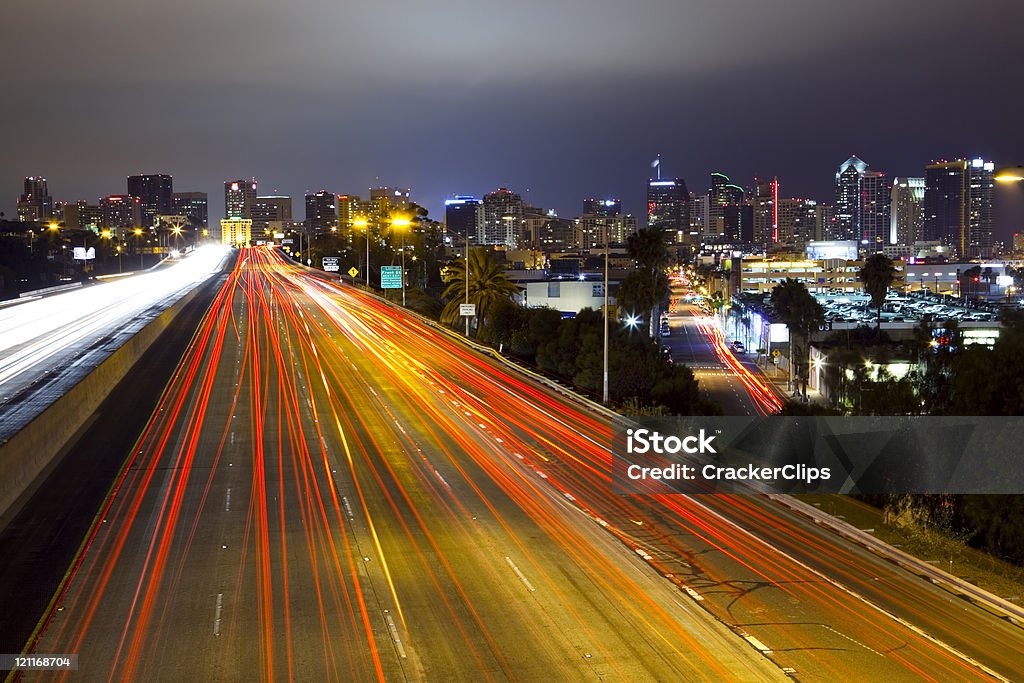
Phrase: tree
(877, 274)
(488, 286)
(802, 314)
(649, 285)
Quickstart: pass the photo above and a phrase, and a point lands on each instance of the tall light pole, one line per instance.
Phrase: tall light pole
(604, 393)
(364, 224)
(138, 245)
(402, 223)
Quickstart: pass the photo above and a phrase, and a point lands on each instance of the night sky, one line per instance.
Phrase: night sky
(557, 99)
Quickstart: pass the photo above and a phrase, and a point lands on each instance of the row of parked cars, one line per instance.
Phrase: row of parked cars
(899, 308)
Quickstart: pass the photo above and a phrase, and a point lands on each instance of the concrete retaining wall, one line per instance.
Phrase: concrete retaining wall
(27, 454)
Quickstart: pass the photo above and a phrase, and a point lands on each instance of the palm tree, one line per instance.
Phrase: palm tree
(802, 314)
(650, 251)
(488, 285)
(877, 274)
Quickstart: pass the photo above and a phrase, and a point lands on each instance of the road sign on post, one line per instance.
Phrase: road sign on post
(467, 310)
(353, 271)
(331, 264)
(391, 277)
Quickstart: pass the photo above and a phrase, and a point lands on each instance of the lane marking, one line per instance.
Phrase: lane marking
(520, 574)
(394, 634)
(216, 614)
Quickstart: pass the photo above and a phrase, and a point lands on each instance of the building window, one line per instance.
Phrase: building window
(554, 290)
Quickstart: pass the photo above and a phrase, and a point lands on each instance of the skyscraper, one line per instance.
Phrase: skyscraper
(797, 218)
(503, 217)
(724, 200)
(463, 216)
(906, 215)
(120, 213)
(848, 199)
(270, 208)
(35, 203)
(239, 196)
(875, 198)
(155, 194)
(765, 204)
(321, 212)
(194, 206)
(668, 208)
(958, 206)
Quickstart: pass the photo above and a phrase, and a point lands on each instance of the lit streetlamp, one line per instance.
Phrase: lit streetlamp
(402, 223)
(138, 245)
(364, 224)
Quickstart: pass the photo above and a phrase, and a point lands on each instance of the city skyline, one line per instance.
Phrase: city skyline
(557, 103)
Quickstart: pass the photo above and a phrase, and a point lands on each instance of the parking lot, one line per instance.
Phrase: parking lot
(906, 308)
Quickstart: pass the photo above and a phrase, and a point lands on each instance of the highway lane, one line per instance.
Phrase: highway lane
(48, 344)
(310, 502)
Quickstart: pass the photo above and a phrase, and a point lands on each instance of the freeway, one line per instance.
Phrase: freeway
(48, 344)
(334, 490)
(325, 493)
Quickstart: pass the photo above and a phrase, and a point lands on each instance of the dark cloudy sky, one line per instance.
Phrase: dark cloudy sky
(566, 98)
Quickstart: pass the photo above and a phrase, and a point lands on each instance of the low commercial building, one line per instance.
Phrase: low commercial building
(760, 276)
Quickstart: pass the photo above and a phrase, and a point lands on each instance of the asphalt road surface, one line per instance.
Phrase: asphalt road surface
(333, 490)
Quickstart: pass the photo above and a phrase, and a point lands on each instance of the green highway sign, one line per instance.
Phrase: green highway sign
(391, 277)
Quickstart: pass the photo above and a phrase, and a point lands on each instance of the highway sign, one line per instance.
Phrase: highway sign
(353, 271)
(467, 310)
(391, 277)
(331, 264)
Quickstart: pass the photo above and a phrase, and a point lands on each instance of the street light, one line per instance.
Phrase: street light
(402, 223)
(604, 391)
(138, 246)
(364, 224)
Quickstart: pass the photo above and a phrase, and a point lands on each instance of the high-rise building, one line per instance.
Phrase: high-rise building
(155, 194)
(668, 208)
(267, 209)
(236, 231)
(83, 216)
(723, 201)
(348, 211)
(906, 215)
(875, 192)
(35, 203)
(597, 230)
(463, 217)
(824, 222)
(847, 204)
(556, 234)
(602, 207)
(797, 219)
(502, 220)
(194, 206)
(958, 206)
(120, 213)
(239, 196)
(321, 212)
(765, 205)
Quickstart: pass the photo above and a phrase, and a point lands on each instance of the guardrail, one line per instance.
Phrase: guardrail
(979, 596)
